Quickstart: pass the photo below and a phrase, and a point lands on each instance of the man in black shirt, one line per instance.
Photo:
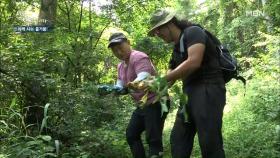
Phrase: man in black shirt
(195, 61)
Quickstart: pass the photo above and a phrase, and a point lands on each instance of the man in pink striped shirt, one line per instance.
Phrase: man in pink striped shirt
(136, 66)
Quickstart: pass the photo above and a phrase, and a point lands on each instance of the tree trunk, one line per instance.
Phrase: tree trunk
(47, 13)
(90, 27)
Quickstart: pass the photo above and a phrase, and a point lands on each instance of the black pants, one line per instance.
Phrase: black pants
(205, 111)
(148, 119)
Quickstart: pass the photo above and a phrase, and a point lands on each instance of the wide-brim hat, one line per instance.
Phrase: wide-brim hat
(159, 18)
(116, 38)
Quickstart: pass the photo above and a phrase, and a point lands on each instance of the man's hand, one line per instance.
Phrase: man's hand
(120, 90)
(137, 85)
(103, 90)
(111, 89)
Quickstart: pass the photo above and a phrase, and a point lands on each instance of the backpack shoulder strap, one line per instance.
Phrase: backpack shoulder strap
(210, 35)
(182, 40)
(242, 79)
(182, 46)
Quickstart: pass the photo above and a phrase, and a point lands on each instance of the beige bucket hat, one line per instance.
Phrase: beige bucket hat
(159, 18)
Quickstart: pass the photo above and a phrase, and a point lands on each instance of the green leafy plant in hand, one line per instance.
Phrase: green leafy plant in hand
(159, 86)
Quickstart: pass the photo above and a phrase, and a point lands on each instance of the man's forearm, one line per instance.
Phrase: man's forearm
(182, 71)
(170, 83)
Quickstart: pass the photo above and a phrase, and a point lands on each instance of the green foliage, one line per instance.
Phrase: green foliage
(272, 9)
(251, 128)
(265, 96)
(160, 86)
(40, 146)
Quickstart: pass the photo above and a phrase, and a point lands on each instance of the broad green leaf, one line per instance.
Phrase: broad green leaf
(14, 101)
(46, 138)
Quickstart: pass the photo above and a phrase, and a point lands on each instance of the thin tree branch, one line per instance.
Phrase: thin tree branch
(81, 15)
(95, 45)
(1, 19)
(64, 11)
(102, 31)
(69, 59)
(68, 16)
(90, 26)
(109, 24)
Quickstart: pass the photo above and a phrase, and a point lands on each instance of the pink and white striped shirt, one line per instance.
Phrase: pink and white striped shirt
(138, 62)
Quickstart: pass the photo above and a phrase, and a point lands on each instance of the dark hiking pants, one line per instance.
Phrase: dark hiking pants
(148, 119)
(205, 111)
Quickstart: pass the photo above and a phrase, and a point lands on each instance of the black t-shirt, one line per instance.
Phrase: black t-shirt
(209, 72)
